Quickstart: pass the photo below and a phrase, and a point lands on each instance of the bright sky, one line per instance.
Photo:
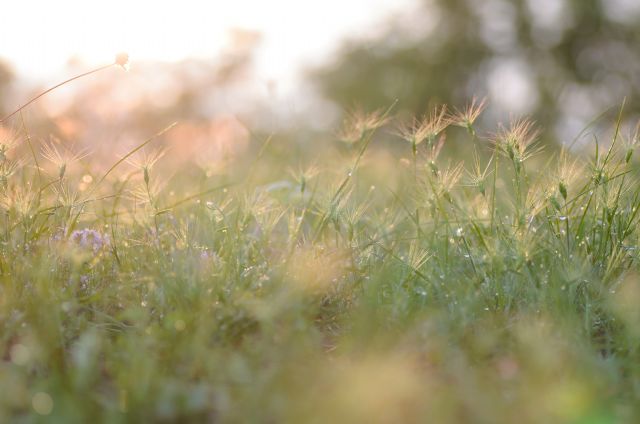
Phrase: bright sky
(39, 36)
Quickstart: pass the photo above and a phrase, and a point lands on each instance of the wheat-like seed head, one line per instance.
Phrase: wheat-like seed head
(467, 117)
(427, 128)
(359, 123)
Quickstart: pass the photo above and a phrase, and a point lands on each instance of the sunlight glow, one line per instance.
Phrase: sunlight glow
(293, 32)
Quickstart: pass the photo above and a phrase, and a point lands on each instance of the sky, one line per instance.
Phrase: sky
(39, 36)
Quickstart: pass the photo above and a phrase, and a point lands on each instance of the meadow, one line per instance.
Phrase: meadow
(402, 270)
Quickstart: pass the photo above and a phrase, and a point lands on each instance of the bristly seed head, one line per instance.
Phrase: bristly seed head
(122, 60)
(61, 157)
(428, 128)
(478, 177)
(567, 173)
(359, 123)
(516, 142)
(465, 118)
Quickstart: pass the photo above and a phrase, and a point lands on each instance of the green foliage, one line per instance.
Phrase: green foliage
(372, 285)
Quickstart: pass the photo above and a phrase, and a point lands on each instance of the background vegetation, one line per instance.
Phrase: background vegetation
(561, 61)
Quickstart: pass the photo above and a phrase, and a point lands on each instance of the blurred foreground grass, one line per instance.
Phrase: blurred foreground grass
(346, 283)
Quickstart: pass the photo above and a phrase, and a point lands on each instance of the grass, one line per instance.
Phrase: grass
(349, 282)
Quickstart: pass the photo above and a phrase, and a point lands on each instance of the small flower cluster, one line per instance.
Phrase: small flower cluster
(90, 239)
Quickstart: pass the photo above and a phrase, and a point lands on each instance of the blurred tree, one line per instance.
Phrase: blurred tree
(563, 61)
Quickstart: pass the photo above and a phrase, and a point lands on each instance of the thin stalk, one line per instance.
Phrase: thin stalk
(414, 151)
(336, 196)
(493, 191)
(47, 91)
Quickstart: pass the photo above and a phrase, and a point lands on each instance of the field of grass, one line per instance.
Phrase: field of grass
(364, 280)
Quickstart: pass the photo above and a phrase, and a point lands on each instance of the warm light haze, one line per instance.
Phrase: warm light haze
(39, 36)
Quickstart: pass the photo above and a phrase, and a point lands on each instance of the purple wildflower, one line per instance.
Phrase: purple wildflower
(208, 257)
(90, 239)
